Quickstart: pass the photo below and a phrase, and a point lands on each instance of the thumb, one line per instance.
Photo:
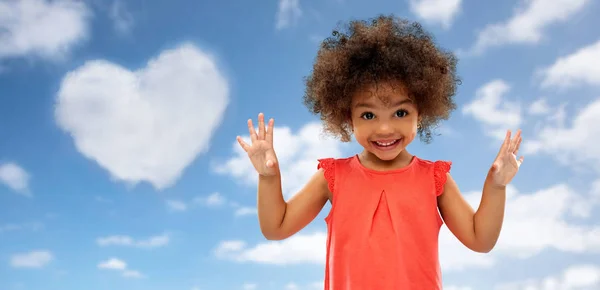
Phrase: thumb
(495, 167)
(270, 163)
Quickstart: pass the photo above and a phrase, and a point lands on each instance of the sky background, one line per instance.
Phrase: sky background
(119, 168)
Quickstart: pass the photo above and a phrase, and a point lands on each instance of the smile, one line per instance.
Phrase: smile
(386, 143)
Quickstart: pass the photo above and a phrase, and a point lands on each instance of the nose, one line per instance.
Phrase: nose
(384, 129)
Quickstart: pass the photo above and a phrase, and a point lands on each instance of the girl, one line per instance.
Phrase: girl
(383, 82)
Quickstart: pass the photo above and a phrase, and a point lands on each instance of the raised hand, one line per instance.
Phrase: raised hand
(506, 165)
(261, 152)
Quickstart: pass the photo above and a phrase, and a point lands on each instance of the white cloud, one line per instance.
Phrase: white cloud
(288, 13)
(176, 205)
(529, 22)
(539, 107)
(127, 241)
(298, 249)
(15, 177)
(42, 28)
(545, 219)
(582, 67)
(33, 259)
(491, 108)
(442, 12)
(578, 143)
(146, 125)
(33, 226)
(213, 200)
(245, 210)
(122, 19)
(249, 286)
(116, 264)
(297, 155)
(113, 264)
(577, 277)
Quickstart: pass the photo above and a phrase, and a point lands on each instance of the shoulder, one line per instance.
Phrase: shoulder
(436, 165)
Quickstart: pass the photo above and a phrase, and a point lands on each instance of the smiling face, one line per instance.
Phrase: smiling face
(384, 120)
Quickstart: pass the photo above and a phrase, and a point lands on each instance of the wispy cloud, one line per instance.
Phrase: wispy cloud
(288, 14)
(33, 259)
(118, 265)
(15, 177)
(528, 24)
(42, 28)
(441, 12)
(128, 241)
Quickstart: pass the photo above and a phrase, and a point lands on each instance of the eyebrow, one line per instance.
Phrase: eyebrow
(369, 105)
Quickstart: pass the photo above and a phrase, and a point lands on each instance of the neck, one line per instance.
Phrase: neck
(371, 160)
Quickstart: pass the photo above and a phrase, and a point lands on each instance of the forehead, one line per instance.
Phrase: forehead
(384, 93)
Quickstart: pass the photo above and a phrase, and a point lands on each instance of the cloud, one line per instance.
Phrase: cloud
(288, 13)
(213, 200)
(33, 259)
(249, 286)
(146, 125)
(491, 108)
(32, 226)
(440, 12)
(576, 277)
(113, 264)
(122, 19)
(550, 218)
(297, 154)
(298, 249)
(245, 210)
(527, 25)
(42, 28)
(127, 241)
(176, 205)
(539, 107)
(582, 67)
(577, 145)
(116, 264)
(545, 219)
(15, 177)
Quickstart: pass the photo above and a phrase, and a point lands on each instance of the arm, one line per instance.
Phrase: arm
(478, 231)
(280, 219)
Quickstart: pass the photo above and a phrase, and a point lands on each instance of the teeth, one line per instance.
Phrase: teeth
(386, 144)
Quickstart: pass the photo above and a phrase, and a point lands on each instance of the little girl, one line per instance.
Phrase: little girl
(383, 82)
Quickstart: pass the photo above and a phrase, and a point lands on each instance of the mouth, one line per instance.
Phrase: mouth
(386, 144)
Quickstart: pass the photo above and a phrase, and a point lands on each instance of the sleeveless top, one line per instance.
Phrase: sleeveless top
(383, 227)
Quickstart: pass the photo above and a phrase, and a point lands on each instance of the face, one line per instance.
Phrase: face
(384, 119)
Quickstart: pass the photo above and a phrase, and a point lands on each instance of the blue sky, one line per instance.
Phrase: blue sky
(119, 167)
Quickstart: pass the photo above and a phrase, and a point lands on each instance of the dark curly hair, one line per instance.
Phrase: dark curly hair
(385, 48)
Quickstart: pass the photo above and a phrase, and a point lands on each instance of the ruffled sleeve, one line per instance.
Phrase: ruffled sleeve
(440, 168)
(328, 165)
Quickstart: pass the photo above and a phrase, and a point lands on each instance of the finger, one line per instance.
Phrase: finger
(513, 142)
(270, 163)
(244, 145)
(505, 144)
(269, 134)
(261, 126)
(251, 131)
(521, 160)
(518, 145)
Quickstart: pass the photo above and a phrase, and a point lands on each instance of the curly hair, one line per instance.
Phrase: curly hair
(383, 49)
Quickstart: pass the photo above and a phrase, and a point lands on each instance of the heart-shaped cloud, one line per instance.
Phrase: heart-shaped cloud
(147, 125)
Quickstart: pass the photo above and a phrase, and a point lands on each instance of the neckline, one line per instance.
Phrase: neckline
(413, 160)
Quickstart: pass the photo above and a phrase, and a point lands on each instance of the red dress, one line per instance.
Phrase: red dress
(383, 227)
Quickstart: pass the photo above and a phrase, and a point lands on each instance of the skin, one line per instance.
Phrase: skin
(384, 113)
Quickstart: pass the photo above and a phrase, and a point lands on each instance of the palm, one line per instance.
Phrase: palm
(506, 165)
(261, 152)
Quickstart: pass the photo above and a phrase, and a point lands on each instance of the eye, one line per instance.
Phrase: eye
(367, 115)
(401, 113)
